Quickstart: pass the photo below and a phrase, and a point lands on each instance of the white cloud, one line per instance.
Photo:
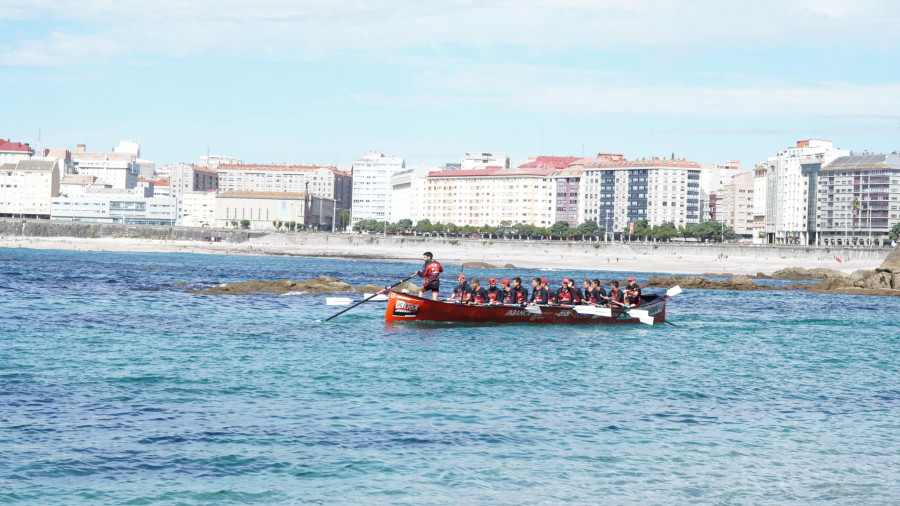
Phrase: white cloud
(180, 28)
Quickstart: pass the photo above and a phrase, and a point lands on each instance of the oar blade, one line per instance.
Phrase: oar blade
(338, 301)
(675, 290)
(376, 297)
(533, 309)
(642, 315)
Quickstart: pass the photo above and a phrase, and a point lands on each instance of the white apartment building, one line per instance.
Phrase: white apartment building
(12, 152)
(789, 195)
(372, 186)
(134, 207)
(858, 199)
(27, 187)
(264, 209)
(477, 161)
(408, 193)
(185, 178)
(735, 204)
(325, 182)
(491, 196)
(566, 189)
(198, 209)
(760, 203)
(121, 170)
(617, 192)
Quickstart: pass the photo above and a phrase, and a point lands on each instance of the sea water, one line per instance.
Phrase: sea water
(119, 386)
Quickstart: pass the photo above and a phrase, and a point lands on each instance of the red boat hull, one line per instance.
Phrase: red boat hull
(402, 307)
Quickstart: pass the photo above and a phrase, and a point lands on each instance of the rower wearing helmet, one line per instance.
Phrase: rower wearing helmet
(509, 296)
(494, 293)
(461, 291)
(632, 293)
(565, 296)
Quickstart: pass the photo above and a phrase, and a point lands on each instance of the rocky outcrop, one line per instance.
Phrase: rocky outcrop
(479, 265)
(802, 273)
(509, 266)
(892, 262)
(861, 282)
(321, 284)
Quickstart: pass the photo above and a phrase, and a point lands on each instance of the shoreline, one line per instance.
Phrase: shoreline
(626, 257)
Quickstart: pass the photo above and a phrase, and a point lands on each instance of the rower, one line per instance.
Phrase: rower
(578, 296)
(632, 293)
(520, 291)
(494, 293)
(598, 293)
(616, 297)
(551, 293)
(509, 296)
(431, 271)
(564, 295)
(461, 291)
(538, 292)
(478, 294)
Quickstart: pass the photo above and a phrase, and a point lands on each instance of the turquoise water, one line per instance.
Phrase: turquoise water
(117, 386)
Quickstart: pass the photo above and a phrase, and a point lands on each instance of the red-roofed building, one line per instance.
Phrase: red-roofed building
(12, 152)
(492, 196)
(550, 162)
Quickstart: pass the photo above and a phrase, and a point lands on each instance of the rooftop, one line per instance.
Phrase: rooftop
(550, 162)
(492, 172)
(262, 195)
(17, 147)
(655, 162)
(864, 161)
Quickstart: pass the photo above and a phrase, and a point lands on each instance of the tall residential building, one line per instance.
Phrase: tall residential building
(121, 170)
(789, 197)
(12, 152)
(491, 196)
(27, 188)
(372, 186)
(735, 204)
(408, 193)
(760, 195)
(713, 177)
(325, 182)
(617, 192)
(566, 188)
(858, 198)
(198, 208)
(476, 161)
(192, 178)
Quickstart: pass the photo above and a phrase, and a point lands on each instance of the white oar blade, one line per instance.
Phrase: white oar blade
(376, 298)
(646, 319)
(533, 309)
(675, 290)
(338, 301)
(642, 315)
(586, 309)
(604, 311)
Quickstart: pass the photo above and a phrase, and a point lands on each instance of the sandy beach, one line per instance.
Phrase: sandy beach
(628, 257)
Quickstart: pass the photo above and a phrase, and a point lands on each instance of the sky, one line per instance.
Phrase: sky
(277, 81)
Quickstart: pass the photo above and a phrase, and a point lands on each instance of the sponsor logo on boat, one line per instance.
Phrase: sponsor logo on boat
(405, 309)
(517, 312)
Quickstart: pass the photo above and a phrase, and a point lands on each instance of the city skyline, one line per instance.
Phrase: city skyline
(327, 82)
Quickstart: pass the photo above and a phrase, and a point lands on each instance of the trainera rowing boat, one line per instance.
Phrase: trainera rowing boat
(403, 307)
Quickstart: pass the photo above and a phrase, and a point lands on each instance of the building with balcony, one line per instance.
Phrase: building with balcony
(185, 178)
(121, 169)
(27, 188)
(617, 192)
(493, 196)
(858, 199)
(372, 186)
(324, 182)
(478, 161)
(408, 193)
(114, 205)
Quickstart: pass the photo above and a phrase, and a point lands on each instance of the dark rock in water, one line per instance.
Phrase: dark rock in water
(717, 274)
(371, 288)
(150, 268)
(762, 275)
(509, 266)
(321, 284)
(181, 283)
(802, 273)
(743, 283)
(479, 265)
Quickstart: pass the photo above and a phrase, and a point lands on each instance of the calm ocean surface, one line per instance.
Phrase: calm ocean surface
(117, 386)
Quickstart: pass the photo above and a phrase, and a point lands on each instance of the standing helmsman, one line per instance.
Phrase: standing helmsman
(431, 271)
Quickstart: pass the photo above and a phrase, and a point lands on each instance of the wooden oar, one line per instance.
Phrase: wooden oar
(368, 298)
